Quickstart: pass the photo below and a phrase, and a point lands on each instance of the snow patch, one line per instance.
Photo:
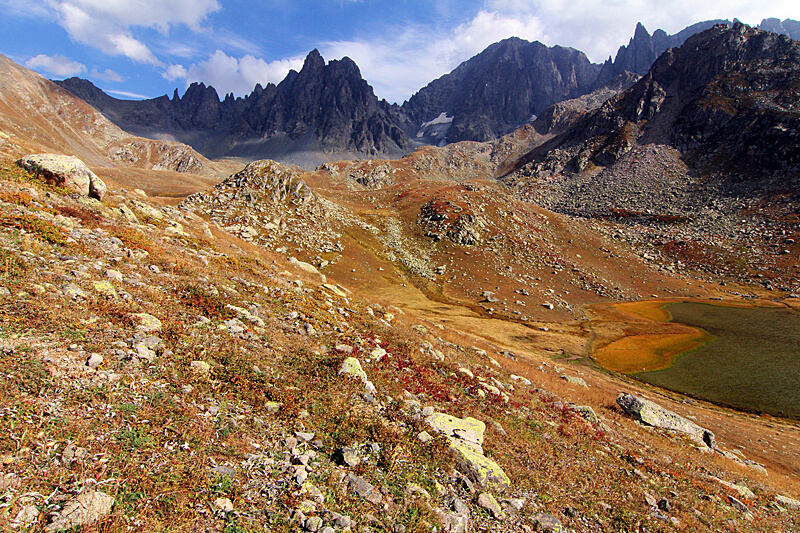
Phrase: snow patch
(436, 129)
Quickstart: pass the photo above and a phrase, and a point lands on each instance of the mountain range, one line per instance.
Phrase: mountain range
(328, 111)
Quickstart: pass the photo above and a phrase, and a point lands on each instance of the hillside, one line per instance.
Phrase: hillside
(180, 377)
(400, 345)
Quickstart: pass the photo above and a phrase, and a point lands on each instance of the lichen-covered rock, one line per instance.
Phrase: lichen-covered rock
(352, 367)
(468, 429)
(654, 415)
(65, 171)
(147, 323)
(482, 470)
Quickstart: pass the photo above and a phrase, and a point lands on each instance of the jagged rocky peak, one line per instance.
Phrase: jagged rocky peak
(786, 27)
(643, 49)
(502, 88)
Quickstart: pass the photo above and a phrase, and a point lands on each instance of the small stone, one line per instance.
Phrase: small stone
(71, 290)
(650, 499)
(350, 457)
(415, 489)
(223, 504)
(313, 523)
(547, 522)
(515, 503)
(488, 502)
(365, 489)
(94, 361)
(424, 437)
(574, 380)
(105, 288)
(72, 454)
(200, 367)
(147, 323)
(304, 437)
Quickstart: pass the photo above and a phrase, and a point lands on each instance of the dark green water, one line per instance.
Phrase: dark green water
(753, 363)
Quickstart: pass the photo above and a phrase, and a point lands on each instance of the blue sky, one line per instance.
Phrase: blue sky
(146, 48)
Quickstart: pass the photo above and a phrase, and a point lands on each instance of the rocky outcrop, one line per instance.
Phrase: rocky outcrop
(501, 88)
(654, 415)
(65, 171)
(442, 219)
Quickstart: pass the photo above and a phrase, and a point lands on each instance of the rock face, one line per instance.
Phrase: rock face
(711, 120)
(325, 107)
(643, 49)
(501, 88)
(654, 415)
(65, 171)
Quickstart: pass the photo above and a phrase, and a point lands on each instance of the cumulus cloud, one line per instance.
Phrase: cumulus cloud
(58, 66)
(108, 24)
(413, 55)
(229, 74)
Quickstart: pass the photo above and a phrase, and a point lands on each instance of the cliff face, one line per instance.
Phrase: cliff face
(502, 88)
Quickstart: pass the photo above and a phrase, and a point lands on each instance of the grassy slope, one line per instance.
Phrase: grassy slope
(153, 431)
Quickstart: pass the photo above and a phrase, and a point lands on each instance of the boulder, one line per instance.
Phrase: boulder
(86, 508)
(482, 470)
(65, 171)
(468, 429)
(654, 415)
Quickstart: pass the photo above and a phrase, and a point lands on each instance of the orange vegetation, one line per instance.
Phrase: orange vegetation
(641, 353)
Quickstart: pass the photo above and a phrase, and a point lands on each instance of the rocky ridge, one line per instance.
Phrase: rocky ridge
(325, 107)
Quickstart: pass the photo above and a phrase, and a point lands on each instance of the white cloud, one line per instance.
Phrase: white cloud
(413, 55)
(134, 96)
(108, 24)
(233, 75)
(175, 72)
(108, 75)
(56, 65)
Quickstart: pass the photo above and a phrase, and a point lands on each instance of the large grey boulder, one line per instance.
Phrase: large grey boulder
(84, 509)
(654, 415)
(65, 171)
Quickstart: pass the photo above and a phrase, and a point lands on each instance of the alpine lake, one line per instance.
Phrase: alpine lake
(746, 358)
